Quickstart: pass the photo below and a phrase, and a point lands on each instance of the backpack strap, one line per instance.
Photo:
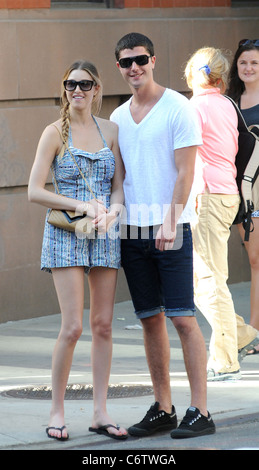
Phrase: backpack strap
(247, 165)
(242, 126)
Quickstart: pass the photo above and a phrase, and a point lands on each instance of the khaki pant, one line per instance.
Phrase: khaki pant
(216, 213)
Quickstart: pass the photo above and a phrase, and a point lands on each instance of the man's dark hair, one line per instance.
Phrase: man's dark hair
(131, 40)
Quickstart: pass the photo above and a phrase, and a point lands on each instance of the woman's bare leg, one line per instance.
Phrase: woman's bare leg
(69, 284)
(252, 247)
(102, 283)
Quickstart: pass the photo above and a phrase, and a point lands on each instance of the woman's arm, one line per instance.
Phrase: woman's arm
(49, 146)
(117, 194)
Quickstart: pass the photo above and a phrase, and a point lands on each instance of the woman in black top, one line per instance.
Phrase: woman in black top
(244, 90)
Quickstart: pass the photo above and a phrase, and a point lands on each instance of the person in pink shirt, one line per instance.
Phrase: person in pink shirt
(217, 204)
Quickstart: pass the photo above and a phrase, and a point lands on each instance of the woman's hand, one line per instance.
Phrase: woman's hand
(94, 208)
(105, 220)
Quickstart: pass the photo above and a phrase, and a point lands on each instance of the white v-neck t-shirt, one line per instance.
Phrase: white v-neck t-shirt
(147, 151)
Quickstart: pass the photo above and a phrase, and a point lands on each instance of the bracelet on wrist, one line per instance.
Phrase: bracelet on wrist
(86, 207)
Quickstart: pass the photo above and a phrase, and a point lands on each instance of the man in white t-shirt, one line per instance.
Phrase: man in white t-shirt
(158, 138)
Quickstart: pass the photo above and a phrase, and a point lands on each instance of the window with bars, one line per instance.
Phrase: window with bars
(120, 3)
(245, 3)
(85, 3)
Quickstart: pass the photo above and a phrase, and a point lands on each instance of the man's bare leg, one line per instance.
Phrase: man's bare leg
(157, 349)
(195, 358)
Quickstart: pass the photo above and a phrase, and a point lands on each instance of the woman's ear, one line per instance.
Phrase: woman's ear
(96, 87)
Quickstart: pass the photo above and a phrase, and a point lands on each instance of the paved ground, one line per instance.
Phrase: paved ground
(25, 361)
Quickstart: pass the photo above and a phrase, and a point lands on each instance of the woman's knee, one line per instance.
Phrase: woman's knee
(101, 327)
(72, 334)
(254, 260)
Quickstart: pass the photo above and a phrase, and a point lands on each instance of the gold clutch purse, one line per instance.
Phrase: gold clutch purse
(71, 221)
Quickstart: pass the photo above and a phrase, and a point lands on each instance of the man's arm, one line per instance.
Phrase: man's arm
(185, 164)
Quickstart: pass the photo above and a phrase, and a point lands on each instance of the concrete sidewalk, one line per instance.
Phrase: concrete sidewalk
(25, 355)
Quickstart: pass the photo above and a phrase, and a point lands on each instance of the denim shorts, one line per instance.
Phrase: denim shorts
(159, 280)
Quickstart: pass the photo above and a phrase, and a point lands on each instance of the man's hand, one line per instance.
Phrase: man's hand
(165, 237)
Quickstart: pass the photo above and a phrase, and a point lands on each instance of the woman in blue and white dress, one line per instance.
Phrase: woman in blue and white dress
(244, 89)
(94, 146)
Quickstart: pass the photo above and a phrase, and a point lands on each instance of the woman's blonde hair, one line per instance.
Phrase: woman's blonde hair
(208, 67)
(97, 101)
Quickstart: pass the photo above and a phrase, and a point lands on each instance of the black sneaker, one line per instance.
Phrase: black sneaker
(194, 424)
(155, 420)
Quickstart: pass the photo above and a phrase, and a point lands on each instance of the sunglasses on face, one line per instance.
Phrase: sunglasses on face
(84, 85)
(127, 62)
(248, 42)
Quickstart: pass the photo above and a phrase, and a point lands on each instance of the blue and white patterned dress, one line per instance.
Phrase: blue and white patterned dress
(62, 248)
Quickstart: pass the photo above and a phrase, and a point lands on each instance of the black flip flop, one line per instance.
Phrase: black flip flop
(103, 430)
(61, 438)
